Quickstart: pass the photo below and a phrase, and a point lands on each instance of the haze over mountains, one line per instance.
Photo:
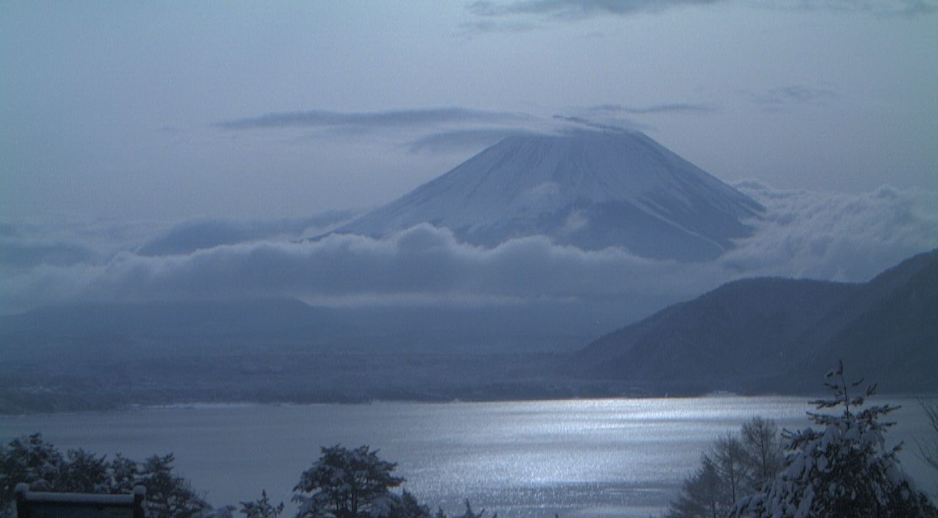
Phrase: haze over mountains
(588, 189)
(580, 190)
(528, 251)
(752, 336)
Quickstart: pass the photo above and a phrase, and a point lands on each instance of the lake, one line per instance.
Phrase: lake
(576, 458)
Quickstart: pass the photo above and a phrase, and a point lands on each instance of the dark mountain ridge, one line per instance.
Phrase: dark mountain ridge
(779, 335)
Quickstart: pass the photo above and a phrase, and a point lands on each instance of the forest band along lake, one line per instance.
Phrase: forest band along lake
(576, 458)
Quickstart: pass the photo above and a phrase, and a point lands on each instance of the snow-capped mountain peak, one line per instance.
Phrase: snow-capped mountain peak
(589, 189)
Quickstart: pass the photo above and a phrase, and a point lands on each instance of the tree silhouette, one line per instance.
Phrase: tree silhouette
(346, 483)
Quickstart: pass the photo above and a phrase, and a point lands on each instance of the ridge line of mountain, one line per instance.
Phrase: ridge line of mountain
(769, 334)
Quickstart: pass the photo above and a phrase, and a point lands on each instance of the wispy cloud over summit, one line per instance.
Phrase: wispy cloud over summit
(875, 7)
(573, 10)
(454, 129)
(577, 9)
(366, 121)
(653, 109)
(780, 98)
(423, 130)
(462, 140)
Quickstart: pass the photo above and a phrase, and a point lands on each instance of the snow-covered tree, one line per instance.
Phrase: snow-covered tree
(31, 460)
(168, 494)
(40, 465)
(347, 483)
(843, 469)
(122, 475)
(83, 472)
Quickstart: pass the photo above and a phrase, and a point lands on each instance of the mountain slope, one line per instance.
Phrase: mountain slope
(588, 189)
(781, 335)
(894, 336)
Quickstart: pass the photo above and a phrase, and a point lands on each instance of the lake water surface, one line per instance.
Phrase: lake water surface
(578, 458)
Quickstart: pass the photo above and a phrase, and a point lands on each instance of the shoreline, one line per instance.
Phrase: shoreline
(234, 404)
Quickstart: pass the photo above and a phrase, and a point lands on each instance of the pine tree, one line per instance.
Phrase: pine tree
(122, 475)
(83, 472)
(169, 495)
(841, 470)
(39, 464)
(702, 495)
(31, 460)
(261, 508)
(346, 483)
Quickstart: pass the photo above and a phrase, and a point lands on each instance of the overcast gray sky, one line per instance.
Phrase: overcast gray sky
(168, 110)
(183, 150)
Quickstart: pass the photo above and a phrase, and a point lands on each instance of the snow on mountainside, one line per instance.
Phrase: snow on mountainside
(589, 189)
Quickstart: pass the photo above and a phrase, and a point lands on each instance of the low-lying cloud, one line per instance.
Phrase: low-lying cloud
(199, 234)
(423, 260)
(841, 237)
(802, 234)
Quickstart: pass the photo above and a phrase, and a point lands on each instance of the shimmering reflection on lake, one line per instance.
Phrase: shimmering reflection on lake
(576, 458)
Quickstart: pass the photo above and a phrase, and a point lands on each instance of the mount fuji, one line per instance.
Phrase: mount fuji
(588, 189)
